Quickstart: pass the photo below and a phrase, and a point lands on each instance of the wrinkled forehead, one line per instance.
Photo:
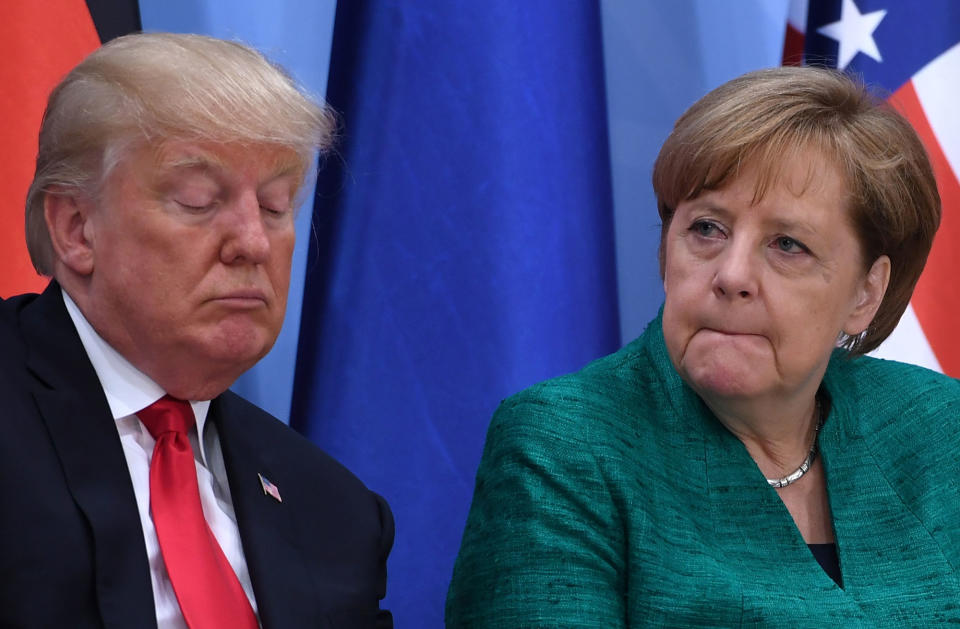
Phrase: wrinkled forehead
(266, 161)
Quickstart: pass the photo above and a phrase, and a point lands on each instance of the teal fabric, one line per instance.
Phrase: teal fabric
(612, 497)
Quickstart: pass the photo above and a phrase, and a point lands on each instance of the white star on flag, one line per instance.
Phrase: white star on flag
(854, 32)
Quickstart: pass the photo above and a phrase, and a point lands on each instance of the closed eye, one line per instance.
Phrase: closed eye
(271, 211)
(194, 208)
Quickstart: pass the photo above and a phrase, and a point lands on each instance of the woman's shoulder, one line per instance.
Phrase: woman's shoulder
(549, 512)
(888, 398)
(886, 382)
(607, 396)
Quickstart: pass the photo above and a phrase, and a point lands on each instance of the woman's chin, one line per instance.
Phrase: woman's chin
(716, 377)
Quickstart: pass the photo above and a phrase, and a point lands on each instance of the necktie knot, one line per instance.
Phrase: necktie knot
(168, 414)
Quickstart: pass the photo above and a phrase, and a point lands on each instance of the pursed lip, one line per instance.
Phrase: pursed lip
(243, 298)
(729, 332)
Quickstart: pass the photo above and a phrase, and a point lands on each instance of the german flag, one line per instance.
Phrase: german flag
(39, 43)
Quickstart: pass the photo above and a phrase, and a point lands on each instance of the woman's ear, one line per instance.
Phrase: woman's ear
(67, 214)
(873, 286)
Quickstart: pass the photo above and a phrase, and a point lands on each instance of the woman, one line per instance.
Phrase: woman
(739, 463)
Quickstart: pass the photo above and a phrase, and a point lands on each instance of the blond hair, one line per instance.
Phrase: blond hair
(766, 118)
(150, 87)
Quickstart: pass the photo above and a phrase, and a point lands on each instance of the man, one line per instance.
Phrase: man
(138, 491)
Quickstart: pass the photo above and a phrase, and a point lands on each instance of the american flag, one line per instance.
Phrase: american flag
(269, 488)
(911, 49)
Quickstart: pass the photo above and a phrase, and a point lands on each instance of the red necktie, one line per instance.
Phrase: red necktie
(207, 589)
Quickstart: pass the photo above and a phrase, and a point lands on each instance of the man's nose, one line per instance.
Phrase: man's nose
(245, 232)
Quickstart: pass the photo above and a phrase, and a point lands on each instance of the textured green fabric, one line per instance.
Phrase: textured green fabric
(612, 497)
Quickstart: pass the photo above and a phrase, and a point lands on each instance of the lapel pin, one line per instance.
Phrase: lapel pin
(269, 488)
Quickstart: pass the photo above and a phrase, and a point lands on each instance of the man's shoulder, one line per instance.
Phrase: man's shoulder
(32, 316)
(11, 309)
(238, 415)
(15, 303)
(12, 339)
(310, 481)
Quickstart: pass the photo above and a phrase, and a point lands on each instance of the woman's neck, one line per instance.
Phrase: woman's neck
(778, 433)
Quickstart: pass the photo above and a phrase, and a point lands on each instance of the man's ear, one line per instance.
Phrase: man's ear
(872, 288)
(67, 214)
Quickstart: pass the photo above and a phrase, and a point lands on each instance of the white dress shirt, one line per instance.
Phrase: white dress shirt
(129, 390)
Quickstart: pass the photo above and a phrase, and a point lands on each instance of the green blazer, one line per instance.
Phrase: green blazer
(612, 497)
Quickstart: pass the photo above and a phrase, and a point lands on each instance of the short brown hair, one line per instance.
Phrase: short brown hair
(150, 87)
(766, 117)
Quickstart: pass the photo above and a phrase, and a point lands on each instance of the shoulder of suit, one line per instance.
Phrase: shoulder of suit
(296, 449)
(11, 335)
(890, 382)
(886, 399)
(606, 404)
(11, 308)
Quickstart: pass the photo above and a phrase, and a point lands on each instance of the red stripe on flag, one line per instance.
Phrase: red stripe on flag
(936, 299)
(39, 43)
(793, 47)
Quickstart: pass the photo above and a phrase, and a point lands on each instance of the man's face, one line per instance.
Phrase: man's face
(191, 260)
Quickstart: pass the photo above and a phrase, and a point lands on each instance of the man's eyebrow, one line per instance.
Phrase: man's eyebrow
(190, 161)
(284, 166)
(287, 166)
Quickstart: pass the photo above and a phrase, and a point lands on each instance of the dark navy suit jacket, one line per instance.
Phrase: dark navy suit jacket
(71, 545)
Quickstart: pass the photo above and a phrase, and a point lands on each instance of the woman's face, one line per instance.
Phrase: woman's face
(757, 293)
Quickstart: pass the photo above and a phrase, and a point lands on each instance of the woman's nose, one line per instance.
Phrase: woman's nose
(736, 274)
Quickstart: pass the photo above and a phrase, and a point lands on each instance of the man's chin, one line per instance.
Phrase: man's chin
(239, 346)
(244, 356)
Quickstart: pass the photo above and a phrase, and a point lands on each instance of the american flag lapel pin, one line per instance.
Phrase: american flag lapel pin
(269, 488)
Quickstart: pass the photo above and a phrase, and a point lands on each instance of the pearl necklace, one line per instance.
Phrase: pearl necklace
(797, 474)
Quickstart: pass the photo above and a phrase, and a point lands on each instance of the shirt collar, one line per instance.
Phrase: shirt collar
(128, 389)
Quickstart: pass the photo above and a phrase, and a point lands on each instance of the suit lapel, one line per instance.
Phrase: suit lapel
(269, 529)
(72, 405)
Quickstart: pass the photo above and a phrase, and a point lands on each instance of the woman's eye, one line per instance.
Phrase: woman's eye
(789, 245)
(705, 229)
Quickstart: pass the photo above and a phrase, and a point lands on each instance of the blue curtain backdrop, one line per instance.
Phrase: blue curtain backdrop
(463, 250)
